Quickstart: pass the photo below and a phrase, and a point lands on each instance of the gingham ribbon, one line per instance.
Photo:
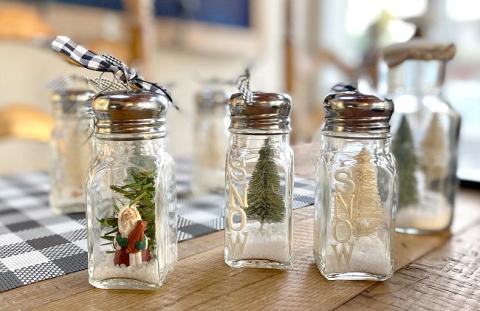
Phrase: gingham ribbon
(243, 84)
(105, 63)
(343, 87)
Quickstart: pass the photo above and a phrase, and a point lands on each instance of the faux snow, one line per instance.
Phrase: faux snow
(433, 213)
(208, 179)
(75, 202)
(368, 256)
(268, 243)
(72, 200)
(148, 272)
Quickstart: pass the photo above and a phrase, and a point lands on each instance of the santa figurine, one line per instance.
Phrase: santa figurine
(130, 242)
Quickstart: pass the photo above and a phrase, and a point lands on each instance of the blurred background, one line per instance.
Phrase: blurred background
(302, 47)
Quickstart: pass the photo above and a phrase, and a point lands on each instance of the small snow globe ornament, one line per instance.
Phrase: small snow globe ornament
(356, 193)
(425, 135)
(131, 204)
(211, 140)
(259, 183)
(70, 144)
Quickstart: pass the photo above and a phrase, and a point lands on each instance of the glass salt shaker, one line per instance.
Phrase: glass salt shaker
(71, 149)
(211, 140)
(425, 131)
(131, 199)
(259, 183)
(356, 192)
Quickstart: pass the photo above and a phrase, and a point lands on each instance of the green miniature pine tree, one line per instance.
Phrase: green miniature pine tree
(404, 152)
(265, 201)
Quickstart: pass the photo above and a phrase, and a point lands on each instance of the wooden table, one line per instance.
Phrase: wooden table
(434, 272)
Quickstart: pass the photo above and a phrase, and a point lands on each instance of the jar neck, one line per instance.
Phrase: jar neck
(258, 141)
(63, 111)
(416, 77)
(123, 146)
(354, 144)
(372, 135)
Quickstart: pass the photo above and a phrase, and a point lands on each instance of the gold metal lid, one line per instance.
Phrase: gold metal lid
(123, 112)
(349, 111)
(269, 113)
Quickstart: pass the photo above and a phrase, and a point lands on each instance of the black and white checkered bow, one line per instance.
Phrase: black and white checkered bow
(106, 63)
(243, 85)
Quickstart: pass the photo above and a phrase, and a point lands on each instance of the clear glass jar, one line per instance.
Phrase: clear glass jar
(211, 141)
(425, 135)
(356, 192)
(131, 198)
(259, 183)
(71, 150)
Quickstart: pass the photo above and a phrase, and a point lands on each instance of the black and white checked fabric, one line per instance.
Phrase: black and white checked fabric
(105, 63)
(36, 245)
(243, 85)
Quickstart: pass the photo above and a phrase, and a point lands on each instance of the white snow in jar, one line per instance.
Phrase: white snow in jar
(433, 213)
(146, 272)
(268, 243)
(76, 197)
(368, 255)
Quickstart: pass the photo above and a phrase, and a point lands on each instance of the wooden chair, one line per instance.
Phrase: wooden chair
(22, 22)
(22, 121)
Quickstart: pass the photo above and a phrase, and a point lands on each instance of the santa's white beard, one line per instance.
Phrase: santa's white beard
(126, 227)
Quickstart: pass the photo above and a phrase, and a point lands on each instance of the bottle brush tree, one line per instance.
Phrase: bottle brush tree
(404, 152)
(434, 160)
(368, 214)
(264, 197)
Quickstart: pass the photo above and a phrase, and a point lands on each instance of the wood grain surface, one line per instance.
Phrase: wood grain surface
(448, 278)
(435, 272)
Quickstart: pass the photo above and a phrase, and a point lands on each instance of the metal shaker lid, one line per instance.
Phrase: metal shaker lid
(268, 113)
(71, 94)
(137, 112)
(416, 49)
(210, 99)
(349, 111)
(72, 100)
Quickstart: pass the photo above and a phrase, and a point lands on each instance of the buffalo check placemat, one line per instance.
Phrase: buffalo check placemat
(36, 244)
